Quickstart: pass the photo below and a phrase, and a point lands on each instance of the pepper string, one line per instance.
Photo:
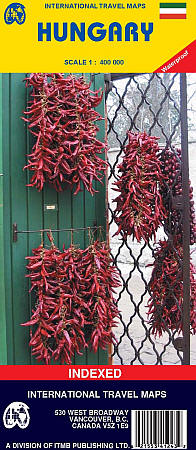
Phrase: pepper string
(69, 315)
(139, 208)
(75, 306)
(62, 118)
(101, 279)
(165, 305)
(44, 282)
(171, 186)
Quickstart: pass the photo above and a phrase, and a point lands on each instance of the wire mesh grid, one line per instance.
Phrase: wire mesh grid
(151, 103)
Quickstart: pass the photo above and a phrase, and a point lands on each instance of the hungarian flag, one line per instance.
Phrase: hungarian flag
(172, 10)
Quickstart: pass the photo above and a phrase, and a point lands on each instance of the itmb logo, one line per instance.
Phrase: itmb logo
(15, 12)
(16, 414)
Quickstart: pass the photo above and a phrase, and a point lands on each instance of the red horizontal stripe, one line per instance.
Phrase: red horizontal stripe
(128, 372)
(172, 16)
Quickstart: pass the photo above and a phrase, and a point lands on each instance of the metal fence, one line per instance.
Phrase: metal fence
(156, 103)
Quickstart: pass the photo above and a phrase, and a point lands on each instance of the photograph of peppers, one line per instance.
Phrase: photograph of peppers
(75, 306)
(61, 117)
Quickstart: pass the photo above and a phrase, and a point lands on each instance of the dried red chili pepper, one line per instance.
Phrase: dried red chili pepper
(171, 188)
(139, 210)
(166, 289)
(62, 118)
(75, 306)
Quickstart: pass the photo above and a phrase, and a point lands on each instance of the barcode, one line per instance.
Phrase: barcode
(159, 429)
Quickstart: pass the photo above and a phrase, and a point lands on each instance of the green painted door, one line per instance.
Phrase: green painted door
(3, 342)
(27, 207)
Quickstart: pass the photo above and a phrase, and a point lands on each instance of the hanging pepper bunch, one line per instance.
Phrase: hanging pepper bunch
(166, 289)
(171, 187)
(62, 118)
(75, 306)
(139, 210)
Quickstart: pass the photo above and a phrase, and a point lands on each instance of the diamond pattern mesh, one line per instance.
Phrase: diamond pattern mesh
(144, 102)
